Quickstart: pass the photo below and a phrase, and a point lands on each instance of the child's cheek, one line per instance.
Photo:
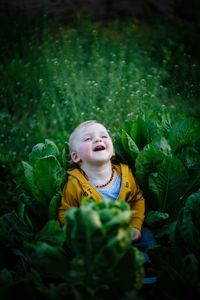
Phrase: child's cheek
(85, 150)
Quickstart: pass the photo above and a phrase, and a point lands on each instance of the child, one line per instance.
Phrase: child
(91, 149)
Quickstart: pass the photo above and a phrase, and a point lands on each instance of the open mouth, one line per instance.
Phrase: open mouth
(99, 148)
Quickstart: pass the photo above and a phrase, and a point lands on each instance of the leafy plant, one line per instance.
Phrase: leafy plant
(104, 261)
(43, 179)
(161, 149)
(179, 263)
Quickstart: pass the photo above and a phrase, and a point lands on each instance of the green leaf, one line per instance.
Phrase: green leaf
(194, 180)
(183, 132)
(119, 149)
(139, 132)
(51, 260)
(191, 264)
(162, 144)
(166, 121)
(50, 148)
(12, 228)
(64, 289)
(165, 230)
(84, 230)
(51, 233)
(189, 223)
(189, 156)
(129, 146)
(6, 278)
(23, 215)
(168, 185)
(134, 276)
(43, 149)
(155, 217)
(147, 161)
(121, 219)
(53, 206)
(160, 257)
(114, 246)
(171, 268)
(48, 174)
(99, 230)
(30, 182)
(36, 153)
(86, 201)
(65, 157)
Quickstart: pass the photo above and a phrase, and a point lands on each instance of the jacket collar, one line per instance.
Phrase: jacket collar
(89, 189)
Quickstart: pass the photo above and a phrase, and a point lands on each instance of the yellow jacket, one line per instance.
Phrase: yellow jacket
(78, 186)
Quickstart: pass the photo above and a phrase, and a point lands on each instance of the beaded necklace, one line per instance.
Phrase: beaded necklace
(107, 183)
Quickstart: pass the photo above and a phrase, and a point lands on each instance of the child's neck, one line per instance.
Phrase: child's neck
(98, 174)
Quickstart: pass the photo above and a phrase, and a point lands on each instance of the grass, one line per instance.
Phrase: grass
(56, 74)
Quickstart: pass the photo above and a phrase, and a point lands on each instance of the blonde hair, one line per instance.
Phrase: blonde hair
(75, 131)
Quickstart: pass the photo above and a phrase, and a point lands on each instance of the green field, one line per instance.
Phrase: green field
(56, 73)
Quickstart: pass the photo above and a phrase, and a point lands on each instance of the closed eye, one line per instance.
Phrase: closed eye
(87, 139)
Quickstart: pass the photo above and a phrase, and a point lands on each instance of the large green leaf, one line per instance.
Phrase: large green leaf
(23, 214)
(84, 230)
(12, 229)
(189, 223)
(194, 180)
(160, 257)
(53, 206)
(168, 185)
(99, 229)
(189, 156)
(49, 259)
(48, 174)
(165, 121)
(36, 153)
(43, 149)
(161, 144)
(113, 248)
(130, 146)
(183, 132)
(130, 266)
(155, 217)
(51, 233)
(182, 254)
(191, 263)
(120, 152)
(31, 184)
(50, 148)
(6, 277)
(147, 161)
(139, 132)
(172, 272)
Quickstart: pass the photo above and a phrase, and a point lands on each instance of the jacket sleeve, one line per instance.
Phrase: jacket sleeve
(136, 202)
(71, 197)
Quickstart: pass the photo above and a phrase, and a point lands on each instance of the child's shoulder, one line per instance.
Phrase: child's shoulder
(122, 168)
(76, 174)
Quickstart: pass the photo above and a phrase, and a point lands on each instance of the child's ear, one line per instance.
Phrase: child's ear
(75, 157)
(113, 155)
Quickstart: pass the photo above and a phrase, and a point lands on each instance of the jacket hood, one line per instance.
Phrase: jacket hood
(78, 174)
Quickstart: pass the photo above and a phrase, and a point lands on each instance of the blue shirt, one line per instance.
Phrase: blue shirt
(111, 191)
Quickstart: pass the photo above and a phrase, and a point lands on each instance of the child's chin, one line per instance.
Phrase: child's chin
(102, 160)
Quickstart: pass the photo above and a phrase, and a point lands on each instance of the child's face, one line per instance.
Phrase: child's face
(92, 145)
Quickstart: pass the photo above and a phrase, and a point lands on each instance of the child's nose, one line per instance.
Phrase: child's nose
(98, 139)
